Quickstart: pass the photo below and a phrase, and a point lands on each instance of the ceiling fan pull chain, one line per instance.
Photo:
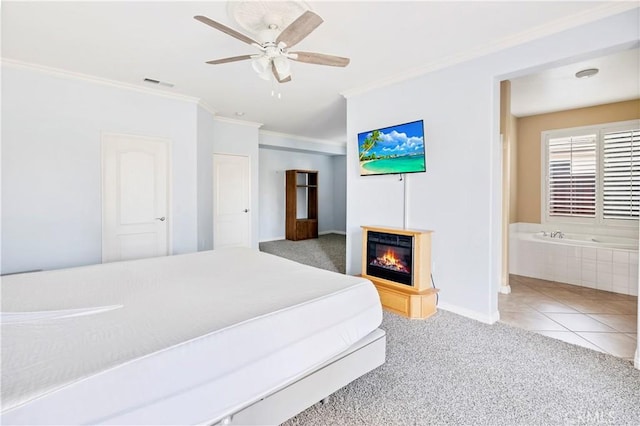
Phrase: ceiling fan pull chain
(275, 90)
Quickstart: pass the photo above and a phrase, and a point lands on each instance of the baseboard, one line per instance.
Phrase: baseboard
(332, 232)
(636, 361)
(505, 289)
(487, 319)
(495, 317)
(266, 240)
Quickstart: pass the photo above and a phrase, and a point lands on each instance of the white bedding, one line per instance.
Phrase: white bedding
(181, 339)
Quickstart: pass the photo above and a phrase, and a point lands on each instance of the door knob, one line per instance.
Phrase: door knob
(161, 219)
(246, 210)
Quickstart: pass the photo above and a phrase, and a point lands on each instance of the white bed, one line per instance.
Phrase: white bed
(233, 336)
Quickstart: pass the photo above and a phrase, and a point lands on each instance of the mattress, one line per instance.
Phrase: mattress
(180, 339)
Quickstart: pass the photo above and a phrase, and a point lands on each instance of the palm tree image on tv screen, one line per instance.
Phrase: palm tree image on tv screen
(392, 150)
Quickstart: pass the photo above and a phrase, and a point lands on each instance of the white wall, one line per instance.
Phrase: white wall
(339, 193)
(206, 135)
(273, 164)
(276, 140)
(51, 166)
(459, 196)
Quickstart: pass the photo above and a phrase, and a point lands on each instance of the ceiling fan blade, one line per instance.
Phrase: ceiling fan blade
(232, 59)
(319, 59)
(225, 29)
(299, 29)
(275, 74)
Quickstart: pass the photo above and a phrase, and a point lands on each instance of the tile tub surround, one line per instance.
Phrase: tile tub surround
(599, 320)
(609, 269)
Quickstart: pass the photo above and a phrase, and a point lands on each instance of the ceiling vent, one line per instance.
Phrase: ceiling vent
(590, 72)
(161, 83)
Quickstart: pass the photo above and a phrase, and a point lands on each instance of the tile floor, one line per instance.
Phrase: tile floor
(596, 319)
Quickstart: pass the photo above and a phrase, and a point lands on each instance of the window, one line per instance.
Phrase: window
(621, 175)
(592, 174)
(572, 176)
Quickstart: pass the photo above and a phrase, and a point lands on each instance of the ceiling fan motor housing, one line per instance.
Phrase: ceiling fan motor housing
(256, 16)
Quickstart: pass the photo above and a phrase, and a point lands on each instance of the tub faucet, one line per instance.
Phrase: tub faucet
(558, 234)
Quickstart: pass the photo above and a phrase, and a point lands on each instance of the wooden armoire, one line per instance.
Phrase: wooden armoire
(301, 204)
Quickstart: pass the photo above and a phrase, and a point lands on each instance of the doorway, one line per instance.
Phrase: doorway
(231, 201)
(575, 289)
(135, 197)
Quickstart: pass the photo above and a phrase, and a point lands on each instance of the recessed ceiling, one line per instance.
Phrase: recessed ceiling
(558, 89)
(128, 41)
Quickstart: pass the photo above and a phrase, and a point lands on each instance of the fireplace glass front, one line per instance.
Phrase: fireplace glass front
(390, 256)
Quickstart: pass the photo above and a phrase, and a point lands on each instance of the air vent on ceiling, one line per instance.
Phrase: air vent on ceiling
(161, 83)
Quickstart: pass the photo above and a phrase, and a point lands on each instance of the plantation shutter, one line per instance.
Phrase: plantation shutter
(572, 176)
(621, 184)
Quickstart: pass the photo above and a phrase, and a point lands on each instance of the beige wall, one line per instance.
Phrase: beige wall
(529, 144)
(509, 132)
(505, 133)
(513, 168)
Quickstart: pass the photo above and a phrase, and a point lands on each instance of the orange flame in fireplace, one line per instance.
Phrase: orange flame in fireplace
(390, 258)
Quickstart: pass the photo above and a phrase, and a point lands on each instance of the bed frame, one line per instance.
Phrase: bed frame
(302, 392)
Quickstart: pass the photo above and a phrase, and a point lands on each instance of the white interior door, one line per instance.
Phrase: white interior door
(135, 200)
(231, 201)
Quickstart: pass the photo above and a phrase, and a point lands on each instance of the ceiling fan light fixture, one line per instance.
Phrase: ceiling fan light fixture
(260, 64)
(266, 75)
(283, 67)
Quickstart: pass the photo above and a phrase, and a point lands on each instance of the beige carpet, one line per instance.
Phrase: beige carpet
(451, 370)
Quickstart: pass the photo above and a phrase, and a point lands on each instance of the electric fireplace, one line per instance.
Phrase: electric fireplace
(398, 263)
(390, 256)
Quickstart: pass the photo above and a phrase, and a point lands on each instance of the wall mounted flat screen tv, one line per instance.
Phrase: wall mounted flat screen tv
(392, 150)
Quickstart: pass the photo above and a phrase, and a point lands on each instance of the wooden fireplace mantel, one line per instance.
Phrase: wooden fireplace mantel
(414, 301)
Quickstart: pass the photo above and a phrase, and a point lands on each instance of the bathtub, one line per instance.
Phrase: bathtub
(602, 262)
(586, 240)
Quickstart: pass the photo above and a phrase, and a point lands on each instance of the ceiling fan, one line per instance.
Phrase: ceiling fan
(274, 45)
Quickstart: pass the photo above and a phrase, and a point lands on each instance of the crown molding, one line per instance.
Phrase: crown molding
(93, 79)
(207, 107)
(236, 121)
(301, 138)
(591, 15)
